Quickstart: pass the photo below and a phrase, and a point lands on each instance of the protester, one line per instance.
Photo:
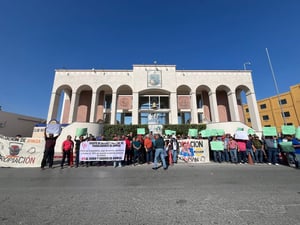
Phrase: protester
(159, 152)
(174, 146)
(225, 154)
(49, 150)
(67, 147)
(232, 148)
(242, 154)
(148, 148)
(77, 149)
(128, 150)
(272, 147)
(249, 148)
(258, 149)
(136, 146)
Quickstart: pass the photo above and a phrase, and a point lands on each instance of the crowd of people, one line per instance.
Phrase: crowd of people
(140, 149)
(267, 149)
(156, 149)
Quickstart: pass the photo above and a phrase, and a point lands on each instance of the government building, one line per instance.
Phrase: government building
(153, 94)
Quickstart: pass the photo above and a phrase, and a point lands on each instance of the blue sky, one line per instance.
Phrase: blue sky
(37, 37)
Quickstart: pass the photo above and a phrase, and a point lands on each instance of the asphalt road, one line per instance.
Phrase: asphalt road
(183, 194)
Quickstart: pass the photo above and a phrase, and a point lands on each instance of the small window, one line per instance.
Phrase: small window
(282, 102)
(267, 126)
(286, 114)
(247, 110)
(263, 106)
(265, 117)
(249, 120)
(290, 124)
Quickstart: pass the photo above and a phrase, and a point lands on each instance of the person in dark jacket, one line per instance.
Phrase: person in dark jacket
(159, 151)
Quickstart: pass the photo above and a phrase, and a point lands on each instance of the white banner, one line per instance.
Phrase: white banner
(24, 152)
(102, 151)
(194, 150)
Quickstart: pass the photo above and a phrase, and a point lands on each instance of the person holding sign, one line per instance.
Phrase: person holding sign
(49, 150)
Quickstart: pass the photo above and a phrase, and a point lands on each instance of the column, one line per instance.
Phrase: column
(135, 108)
(113, 108)
(73, 107)
(93, 107)
(213, 107)
(173, 106)
(233, 107)
(194, 113)
(53, 108)
(253, 110)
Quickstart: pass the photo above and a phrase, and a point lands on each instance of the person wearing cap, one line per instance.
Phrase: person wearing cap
(232, 148)
(273, 150)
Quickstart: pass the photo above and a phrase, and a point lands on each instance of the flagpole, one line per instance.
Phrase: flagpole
(276, 87)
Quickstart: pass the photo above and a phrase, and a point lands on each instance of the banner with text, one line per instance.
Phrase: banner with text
(194, 150)
(102, 151)
(24, 152)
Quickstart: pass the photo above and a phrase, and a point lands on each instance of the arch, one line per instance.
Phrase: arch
(203, 103)
(84, 93)
(183, 90)
(241, 92)
(63, 102)
(222, 93)
(103, 103)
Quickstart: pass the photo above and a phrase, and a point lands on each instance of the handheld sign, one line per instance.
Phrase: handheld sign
(81, 132)
(53, 127)
(141, 131)
(269, 131)
(288, 129)
(217, 145)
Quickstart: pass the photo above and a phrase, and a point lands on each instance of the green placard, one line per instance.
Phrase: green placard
(168, 132)
(240, 129)
(204, 133)
(217, 145)
(269, 131)
(213, 132)
(288, 129)
(251, 131)
(297, 133)
(81, 131)
(220, 132)
(287, 146)
(141, 131)
(193, 132)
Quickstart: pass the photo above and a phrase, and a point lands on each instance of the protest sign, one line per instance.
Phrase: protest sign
(217, 145)
(269, 131)
(288, 129)
(81, 132)
(141, 131)
(297, 133)
(241, 135)
(193, 132)
(287, 146)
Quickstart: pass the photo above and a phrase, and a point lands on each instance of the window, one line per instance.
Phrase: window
(263, 106)
(265, 117)
(282, 102)
(124, 118)
(199, 101)
(108, 100)
(290, 124)
(184, 118)
(249, 120)
(267, 125)
(247, 110)
(286, 114)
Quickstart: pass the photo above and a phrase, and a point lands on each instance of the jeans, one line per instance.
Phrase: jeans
(77, 158)
(217, 156)
(136, 156)
(273, 155)
(259, 155)
(233, 155)
(174, 153)
(159, 152)
(149, 156)
(250, 151)
(225, 155)
(242, 156)
(48, 156)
